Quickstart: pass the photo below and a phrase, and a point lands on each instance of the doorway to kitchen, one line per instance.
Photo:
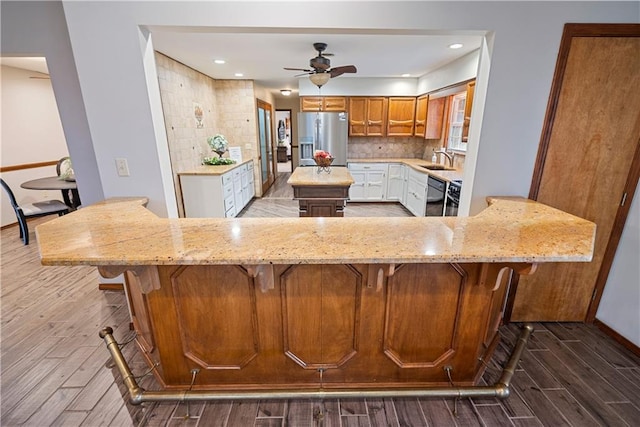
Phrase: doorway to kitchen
(266, 158)
(283, 155)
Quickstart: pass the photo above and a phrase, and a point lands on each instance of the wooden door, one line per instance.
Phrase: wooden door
(334, 103)
(588, 163)
(401, 116)
(421, 116)
(311, 103)
(435, 117)
(357, 116)
(376, 116)
(265, 136)
(471, 88)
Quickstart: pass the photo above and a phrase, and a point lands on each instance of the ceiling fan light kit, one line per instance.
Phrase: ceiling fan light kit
(319, 79)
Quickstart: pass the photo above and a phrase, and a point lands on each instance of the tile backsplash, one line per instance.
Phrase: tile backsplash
(394, 147)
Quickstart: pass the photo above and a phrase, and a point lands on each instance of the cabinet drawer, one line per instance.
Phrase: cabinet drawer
(227, 190)
(419, 177)
(229, 203)
(227, 178)
(368, 167)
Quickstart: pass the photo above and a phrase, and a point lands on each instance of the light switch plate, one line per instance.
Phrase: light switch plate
(122, 166)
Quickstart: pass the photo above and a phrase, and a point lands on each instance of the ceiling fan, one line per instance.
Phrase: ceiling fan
(320, 71)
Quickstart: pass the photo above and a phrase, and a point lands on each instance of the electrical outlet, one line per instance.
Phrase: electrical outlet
(122, 167)
(248, 146)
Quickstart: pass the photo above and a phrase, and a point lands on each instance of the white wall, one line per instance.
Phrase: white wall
(31, 133)
(39, 29)
(360, 87)
(109, 57)
(620, 305)
(460, 70)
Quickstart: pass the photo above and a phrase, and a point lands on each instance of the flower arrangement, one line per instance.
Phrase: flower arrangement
(218, 144)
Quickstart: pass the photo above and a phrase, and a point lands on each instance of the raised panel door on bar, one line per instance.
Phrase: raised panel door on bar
(374, 326)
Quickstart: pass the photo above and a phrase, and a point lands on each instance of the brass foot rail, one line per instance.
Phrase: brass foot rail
(138, 395)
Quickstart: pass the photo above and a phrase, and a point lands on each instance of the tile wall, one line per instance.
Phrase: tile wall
(228, 107)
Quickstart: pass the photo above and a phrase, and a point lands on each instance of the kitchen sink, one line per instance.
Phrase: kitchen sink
(436, 167)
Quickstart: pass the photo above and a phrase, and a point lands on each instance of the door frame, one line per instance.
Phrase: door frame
(271, 159)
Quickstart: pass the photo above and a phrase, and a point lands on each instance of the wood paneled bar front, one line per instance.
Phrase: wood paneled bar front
(324, 307)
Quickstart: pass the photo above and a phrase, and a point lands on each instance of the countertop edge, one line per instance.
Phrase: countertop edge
(124, 232)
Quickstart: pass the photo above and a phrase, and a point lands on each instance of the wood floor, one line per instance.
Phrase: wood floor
(56, 370)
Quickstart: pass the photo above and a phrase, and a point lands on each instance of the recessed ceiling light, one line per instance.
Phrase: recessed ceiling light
(406, 75)
(239, 74)
(219, 61)
(455, 46)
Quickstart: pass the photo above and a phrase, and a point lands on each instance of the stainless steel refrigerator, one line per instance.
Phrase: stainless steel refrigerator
(323, 131)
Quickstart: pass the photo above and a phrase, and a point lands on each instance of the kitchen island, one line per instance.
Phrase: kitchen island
(315, 307)
(321, 192)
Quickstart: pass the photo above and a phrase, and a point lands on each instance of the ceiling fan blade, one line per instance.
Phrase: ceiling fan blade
(297, 69)
(338, 71)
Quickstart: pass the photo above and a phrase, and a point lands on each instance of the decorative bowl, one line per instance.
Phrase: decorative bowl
(323, 162)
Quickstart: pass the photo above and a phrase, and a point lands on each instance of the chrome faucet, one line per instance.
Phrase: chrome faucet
(447, 155)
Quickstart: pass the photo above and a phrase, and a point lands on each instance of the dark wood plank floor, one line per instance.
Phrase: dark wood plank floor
(56, 370)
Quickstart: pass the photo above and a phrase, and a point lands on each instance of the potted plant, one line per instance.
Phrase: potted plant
(219, 145)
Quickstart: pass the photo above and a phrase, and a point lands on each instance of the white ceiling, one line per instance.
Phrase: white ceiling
(261, 56)
(37, 64)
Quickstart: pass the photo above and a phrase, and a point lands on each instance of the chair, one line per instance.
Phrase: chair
(32, 210)
(64, 167)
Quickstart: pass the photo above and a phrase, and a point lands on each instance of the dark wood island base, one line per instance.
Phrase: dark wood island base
(321, 193)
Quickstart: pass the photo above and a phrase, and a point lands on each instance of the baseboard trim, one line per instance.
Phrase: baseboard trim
(617, 337)
(111, 286)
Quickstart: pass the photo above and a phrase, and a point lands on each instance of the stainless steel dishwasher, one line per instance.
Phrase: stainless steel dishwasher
(435, 196)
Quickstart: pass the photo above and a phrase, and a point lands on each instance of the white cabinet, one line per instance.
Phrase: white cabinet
(237, 188)
(396, 182)
(370, 182)
(416, 198)
(217, 196)
(248, 189)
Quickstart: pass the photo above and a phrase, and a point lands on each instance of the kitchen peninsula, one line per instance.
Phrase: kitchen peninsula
(321, 191)
(318, 307)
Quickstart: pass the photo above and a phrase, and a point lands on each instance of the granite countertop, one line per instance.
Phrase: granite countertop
(213, 169)
(124, 232)
(309, 176)
(446, 175)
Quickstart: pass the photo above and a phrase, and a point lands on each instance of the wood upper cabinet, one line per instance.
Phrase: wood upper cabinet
(471, 87)
(421, 115)
(367, 116)
(435, 118)
(323, 103)
(401, 116)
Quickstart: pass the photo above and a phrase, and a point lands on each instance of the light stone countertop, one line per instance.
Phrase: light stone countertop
(309, 175)
(123, 232)
(213, 169)
(446, 175)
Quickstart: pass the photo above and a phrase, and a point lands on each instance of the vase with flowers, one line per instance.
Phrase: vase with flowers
(219, 145)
